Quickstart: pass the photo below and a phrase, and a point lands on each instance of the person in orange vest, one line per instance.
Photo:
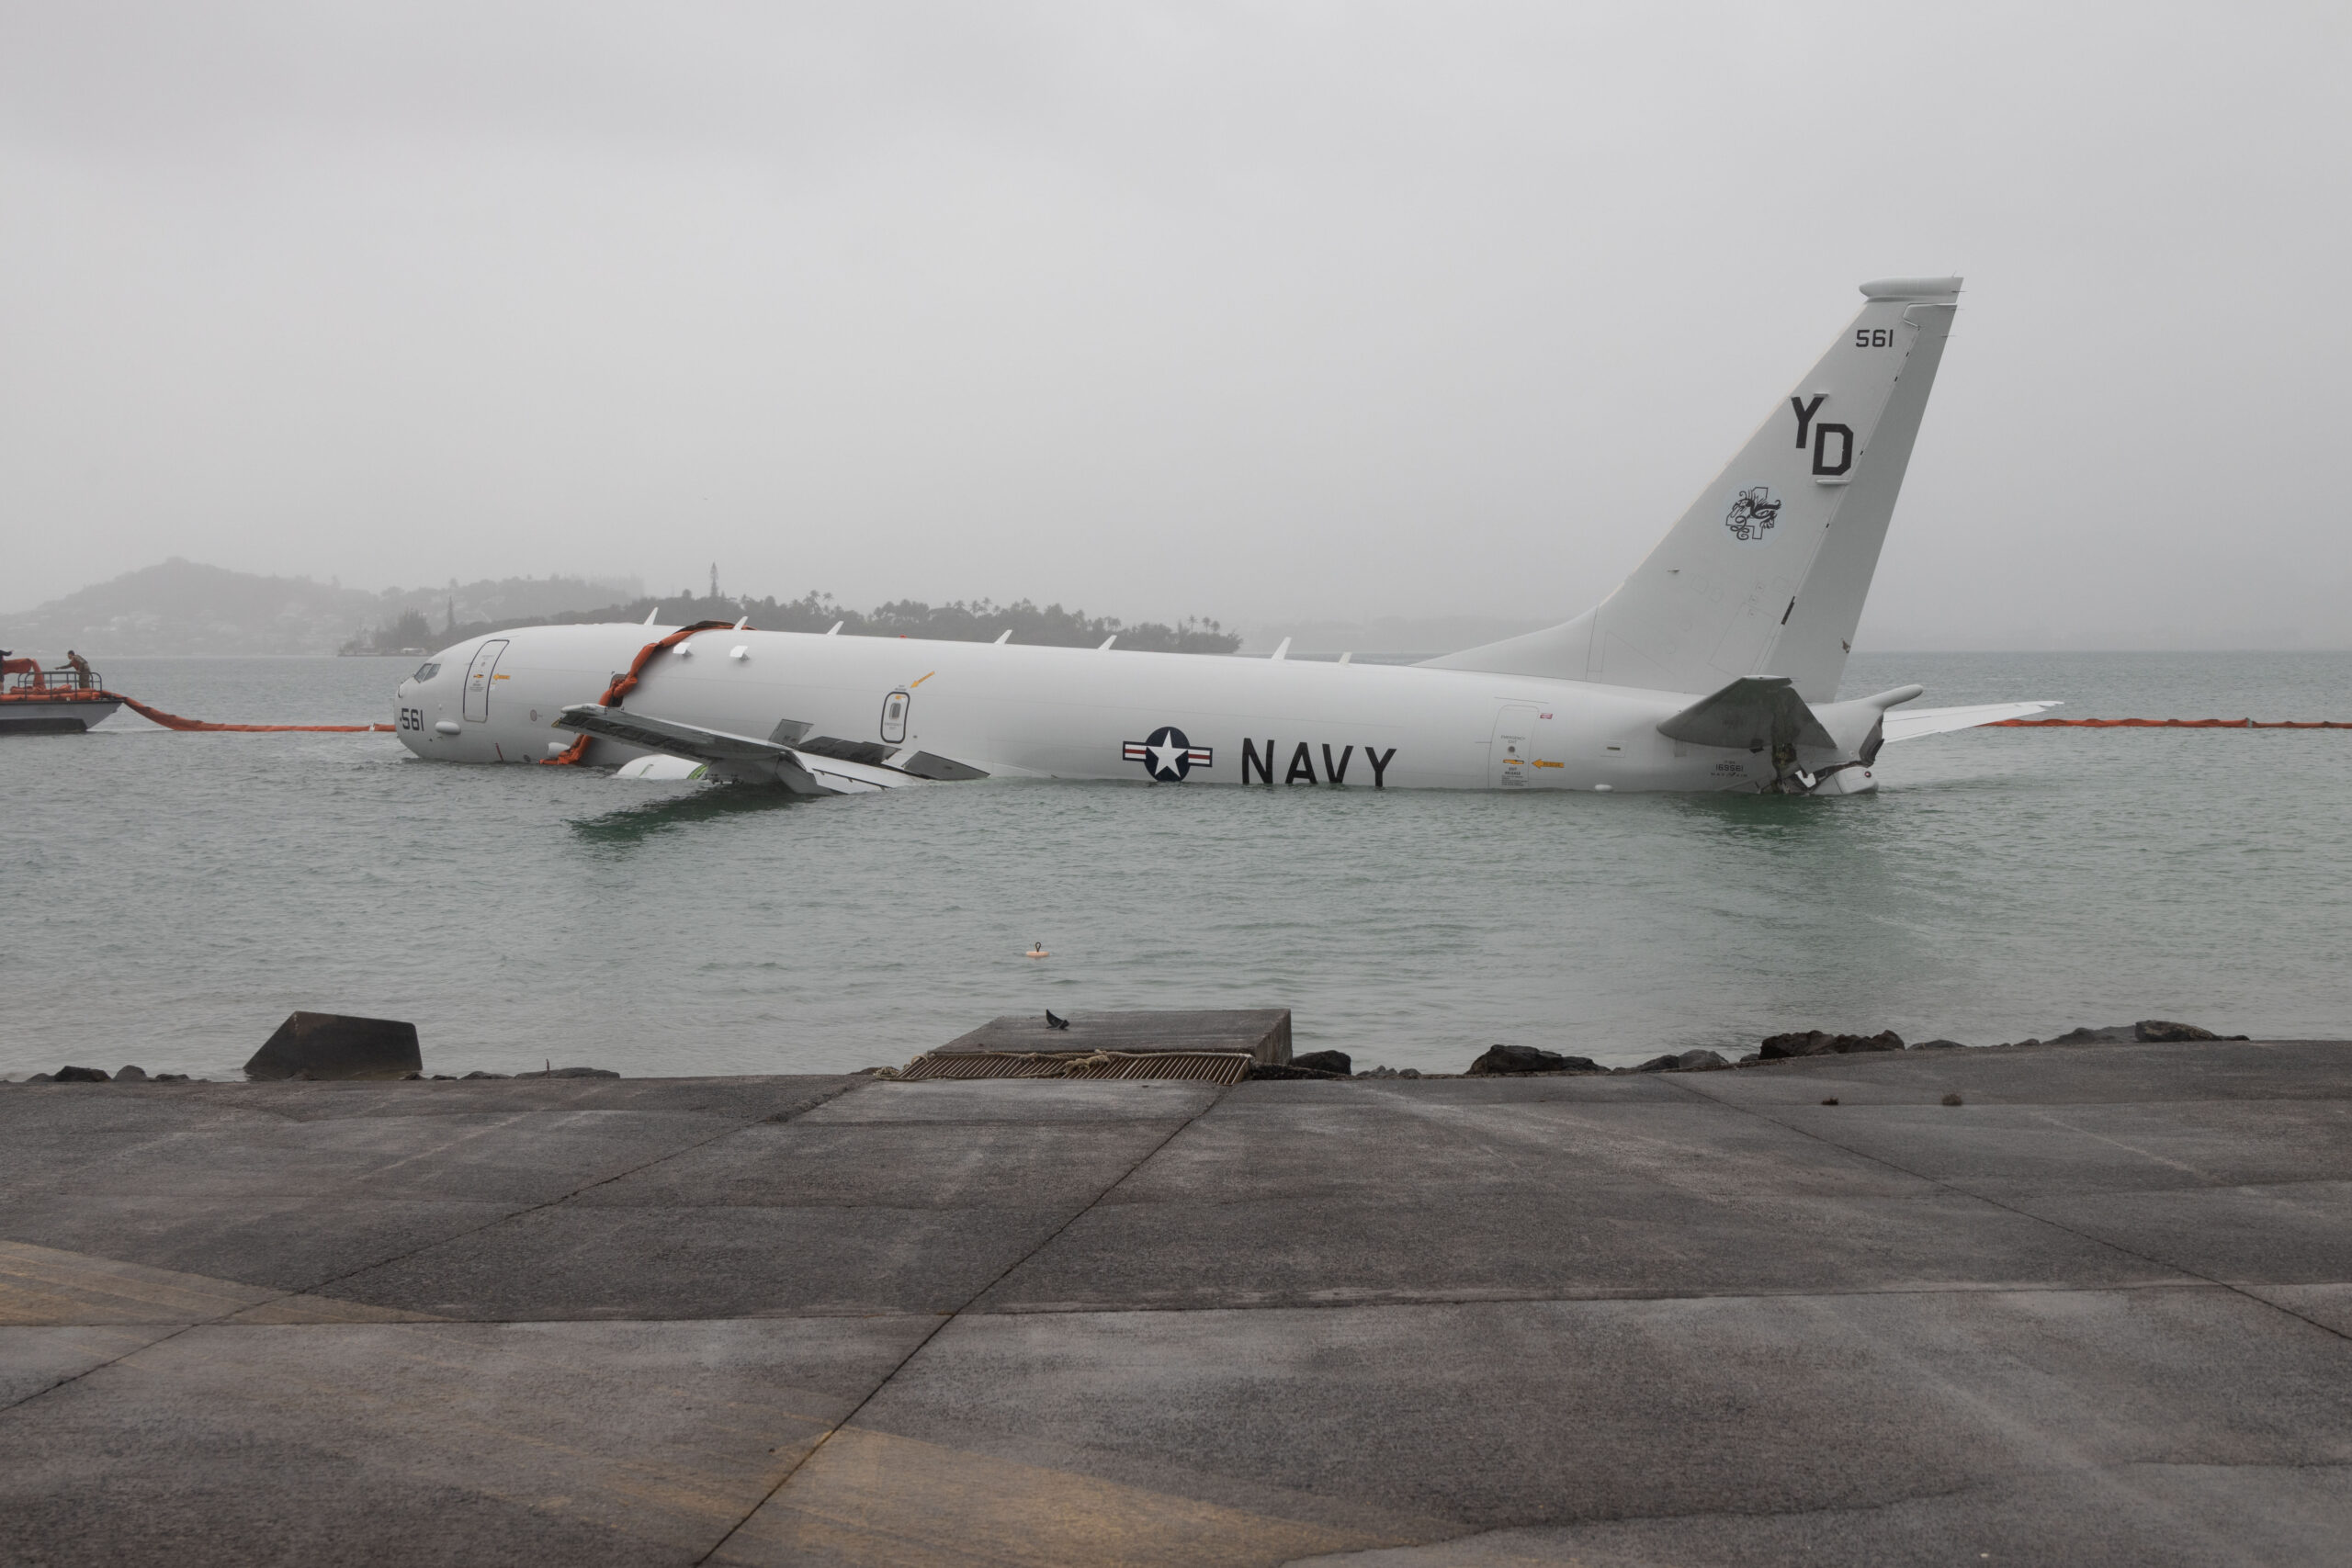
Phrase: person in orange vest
(81, 667)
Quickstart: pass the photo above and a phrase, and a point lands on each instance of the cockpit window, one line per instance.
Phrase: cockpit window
(426, 672)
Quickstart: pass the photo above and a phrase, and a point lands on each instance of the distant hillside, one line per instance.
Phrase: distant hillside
(978, 621)
(180, 607)
(183, 607)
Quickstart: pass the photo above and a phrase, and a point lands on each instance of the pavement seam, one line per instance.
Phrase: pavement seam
(800, 1109)
(944, 1319)
(102, 1366)
(2018, 1287)
(2182, 1270)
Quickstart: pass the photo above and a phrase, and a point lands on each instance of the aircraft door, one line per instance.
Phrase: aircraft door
(894, 718)
(478, 676)
(1511, 760)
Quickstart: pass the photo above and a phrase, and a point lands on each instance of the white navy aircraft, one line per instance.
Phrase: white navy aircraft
(1714, 667)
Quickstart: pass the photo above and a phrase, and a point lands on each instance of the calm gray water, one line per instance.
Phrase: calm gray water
(169, 897)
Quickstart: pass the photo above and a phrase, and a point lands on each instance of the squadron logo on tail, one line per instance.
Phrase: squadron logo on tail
(1752, 513)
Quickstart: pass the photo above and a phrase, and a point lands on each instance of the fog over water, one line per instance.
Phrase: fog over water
(173, 896)
(1319, 318)
(1315, 312)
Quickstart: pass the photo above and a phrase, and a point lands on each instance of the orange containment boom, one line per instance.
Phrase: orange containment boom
(626, 684)
(2166, 724)
(174, 721)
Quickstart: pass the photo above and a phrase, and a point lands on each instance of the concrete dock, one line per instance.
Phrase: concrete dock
(2098, 1312)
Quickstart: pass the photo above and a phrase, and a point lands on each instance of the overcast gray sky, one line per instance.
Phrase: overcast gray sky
(1258, 310)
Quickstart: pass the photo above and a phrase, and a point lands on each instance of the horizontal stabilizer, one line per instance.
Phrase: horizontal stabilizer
(1752, 714)
(1939, 721)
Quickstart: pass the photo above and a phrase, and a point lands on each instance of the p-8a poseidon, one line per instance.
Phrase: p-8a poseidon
(1714, 667)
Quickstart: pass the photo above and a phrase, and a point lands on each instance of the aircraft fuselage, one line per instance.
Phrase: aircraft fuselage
(1712, 667)
(1063, 713)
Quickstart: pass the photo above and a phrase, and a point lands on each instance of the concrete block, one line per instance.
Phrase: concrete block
(337, 1045)
(1264, 1032)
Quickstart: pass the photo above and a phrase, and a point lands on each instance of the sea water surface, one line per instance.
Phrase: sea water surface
(166, 898)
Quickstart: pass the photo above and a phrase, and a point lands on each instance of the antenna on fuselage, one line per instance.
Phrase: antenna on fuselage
(1284, 651)
(1107, 642)
(837, 628)
(651, 613)
(1006, 638)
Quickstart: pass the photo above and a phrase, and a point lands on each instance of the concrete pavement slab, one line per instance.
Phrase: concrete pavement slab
(30, 1107)
(1475, 1243)
(287, 1185)
(896, 1165)
(1509, 1413)
(1532, 1088)
(1024, 1101)
(2125, 1515)
(2048, 1075)
(603, 1443)
(2282, 1234)
(519, 1158)
(51, 1134)
(36, 1359)
(46, 1285)
(1388, 1197)
(288, 1242)
(1687, 1318)
(868, 1498)
(1342, 1144)
(2104, 1147)
(576, 1262)
(2329, 1305)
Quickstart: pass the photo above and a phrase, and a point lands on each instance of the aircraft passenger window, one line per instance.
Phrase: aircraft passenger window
(426, 672)
(894, 717)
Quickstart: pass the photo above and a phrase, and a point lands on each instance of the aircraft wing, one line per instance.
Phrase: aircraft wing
(1912, 722)
(740, 757)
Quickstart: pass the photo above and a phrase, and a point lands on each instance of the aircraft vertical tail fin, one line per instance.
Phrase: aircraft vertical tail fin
(1767, 573)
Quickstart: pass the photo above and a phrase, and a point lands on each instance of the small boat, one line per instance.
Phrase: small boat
(64, 701)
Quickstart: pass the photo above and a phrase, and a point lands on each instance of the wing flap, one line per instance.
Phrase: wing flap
(938, 769)
(1753, 713)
